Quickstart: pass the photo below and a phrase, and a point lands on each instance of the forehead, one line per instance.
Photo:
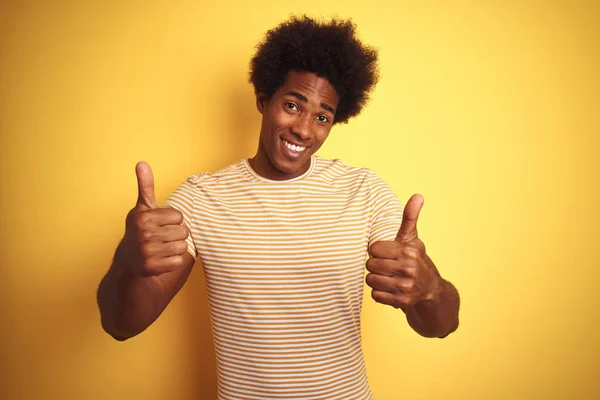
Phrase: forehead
(316, 89)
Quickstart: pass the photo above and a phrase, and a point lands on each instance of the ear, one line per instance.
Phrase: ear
(261, 102)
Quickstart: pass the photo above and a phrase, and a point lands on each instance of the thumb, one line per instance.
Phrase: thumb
(408, 228)
(145, 181)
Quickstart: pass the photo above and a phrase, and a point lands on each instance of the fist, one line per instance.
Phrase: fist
(400, 272)
(154, 241)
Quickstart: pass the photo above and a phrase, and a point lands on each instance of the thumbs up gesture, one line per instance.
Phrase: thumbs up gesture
(401, 274)
(154, 241)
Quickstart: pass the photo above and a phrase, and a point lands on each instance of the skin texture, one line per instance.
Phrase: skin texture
(302, 112)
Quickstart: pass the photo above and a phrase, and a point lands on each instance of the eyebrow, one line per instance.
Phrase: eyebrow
(304, 99)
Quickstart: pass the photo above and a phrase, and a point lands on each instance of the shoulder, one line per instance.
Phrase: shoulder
(337, 169)
(227, 175)
(339, 174)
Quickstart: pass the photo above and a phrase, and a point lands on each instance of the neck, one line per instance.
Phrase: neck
(262, 165)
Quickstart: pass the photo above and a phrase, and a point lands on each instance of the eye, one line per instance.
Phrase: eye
(292, 107)
(322, 119)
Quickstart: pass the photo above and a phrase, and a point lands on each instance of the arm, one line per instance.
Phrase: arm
(150, 265)
(437, 317)
(130, 303)
(402, 275)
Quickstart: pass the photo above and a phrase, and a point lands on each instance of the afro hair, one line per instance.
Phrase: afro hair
(330, 50)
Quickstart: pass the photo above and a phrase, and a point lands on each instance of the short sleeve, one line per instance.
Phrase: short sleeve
(386, 210)
(182, 199)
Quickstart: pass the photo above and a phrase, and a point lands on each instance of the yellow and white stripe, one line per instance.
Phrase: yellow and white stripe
(284, 265)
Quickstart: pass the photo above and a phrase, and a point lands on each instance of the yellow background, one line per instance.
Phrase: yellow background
(488, 109)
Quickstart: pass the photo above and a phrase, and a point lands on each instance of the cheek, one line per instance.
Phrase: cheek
(282, 120)
(270, 125)
(321, 136)
(275, 122)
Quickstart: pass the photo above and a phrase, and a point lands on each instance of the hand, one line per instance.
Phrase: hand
(154, 241)
(401, 274)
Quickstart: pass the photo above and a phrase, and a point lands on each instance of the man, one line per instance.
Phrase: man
(283, 236)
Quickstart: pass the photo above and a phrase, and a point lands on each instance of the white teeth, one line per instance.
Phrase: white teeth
(293, 147)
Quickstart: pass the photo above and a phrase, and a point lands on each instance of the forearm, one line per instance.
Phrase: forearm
(437, 317)
(128, 303)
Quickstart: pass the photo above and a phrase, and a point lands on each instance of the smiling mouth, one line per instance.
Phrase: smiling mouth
(293, 147)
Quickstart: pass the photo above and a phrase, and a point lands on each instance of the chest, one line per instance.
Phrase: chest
(279, 224)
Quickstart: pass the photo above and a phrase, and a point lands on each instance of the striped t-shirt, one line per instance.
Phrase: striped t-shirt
(284, 263)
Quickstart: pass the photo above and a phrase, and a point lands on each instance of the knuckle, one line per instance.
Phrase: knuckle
(185, 231)
(409, 286)
(177, 215)
(375, 248)
(401, 301)
(180, 247)
(142, 218)
(411, 252)
(178, 261)
(400, 285)
(375, 296)
(397, 251)
(146, 252)
(429, 296)
(410, 273)
(146, 235)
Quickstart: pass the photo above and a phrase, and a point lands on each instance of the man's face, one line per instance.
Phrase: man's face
(296, 121)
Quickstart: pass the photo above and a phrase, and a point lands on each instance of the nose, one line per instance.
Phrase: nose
(301, 127)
